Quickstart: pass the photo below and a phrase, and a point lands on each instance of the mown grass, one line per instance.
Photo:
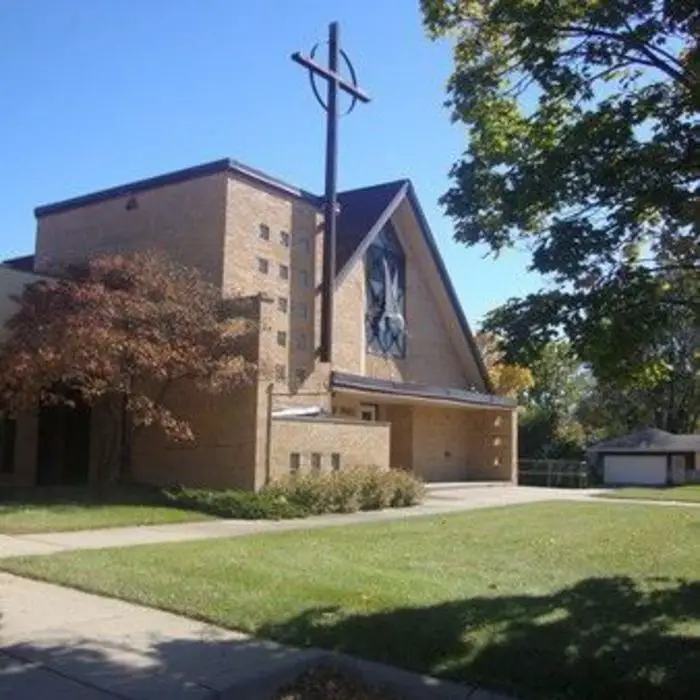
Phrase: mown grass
(549, 600)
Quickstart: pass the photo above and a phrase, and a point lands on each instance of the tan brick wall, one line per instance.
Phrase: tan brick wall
(349, 322)
(185, 220)
(249, 206)
(442, 443)
(12, 282)
(463, 444)
(359, 443)
(224, 452)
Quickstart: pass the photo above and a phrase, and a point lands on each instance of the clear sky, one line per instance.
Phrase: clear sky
(95, 93)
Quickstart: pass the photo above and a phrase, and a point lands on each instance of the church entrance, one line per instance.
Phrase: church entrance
(63, 455)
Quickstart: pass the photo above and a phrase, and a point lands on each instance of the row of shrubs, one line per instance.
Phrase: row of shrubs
(298, 496)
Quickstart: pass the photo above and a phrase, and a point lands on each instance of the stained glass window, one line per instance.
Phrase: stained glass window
(385, 314)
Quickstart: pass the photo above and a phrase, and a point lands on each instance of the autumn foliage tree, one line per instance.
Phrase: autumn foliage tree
(507, 379)
(121, 331)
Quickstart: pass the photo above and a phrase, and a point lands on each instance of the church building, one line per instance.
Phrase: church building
(403, 385)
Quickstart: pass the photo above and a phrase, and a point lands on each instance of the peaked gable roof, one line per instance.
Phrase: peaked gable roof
(360, 212)
(650, 440)
(364, 212)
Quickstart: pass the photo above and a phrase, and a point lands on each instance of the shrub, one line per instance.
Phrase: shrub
(375, 487)
(309, 491)
(243, 505)
(359, 488)
(300, 495)
(406, 489)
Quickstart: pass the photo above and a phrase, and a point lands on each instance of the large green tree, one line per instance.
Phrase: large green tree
(583, 127)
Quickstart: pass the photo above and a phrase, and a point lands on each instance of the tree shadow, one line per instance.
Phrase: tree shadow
(599, 638)
(14, 498)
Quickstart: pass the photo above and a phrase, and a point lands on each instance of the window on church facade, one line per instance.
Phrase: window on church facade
(281, 338)
(282, 304)
(263, 266)
(284, 272)
(284, 239)
(385, 313)
(304, 278)
(264, 232)
(280, 373)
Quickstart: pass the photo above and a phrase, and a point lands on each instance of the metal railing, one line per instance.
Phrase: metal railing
(556, 473)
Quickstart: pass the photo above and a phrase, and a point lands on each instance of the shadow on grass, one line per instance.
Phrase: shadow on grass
(600, 638)
(18, 498)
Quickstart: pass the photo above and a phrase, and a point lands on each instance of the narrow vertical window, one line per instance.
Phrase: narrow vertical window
(294, 462)
(8, 431)
(385, 282)
(264, 232)
(316, 463)
(335, 462)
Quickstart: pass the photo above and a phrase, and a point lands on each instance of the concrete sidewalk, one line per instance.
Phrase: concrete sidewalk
(441, 499)
(61, 644)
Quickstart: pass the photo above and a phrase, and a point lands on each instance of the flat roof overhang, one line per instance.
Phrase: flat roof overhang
(409, 392)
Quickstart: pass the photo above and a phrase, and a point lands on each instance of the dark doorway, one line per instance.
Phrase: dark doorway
(64, 445)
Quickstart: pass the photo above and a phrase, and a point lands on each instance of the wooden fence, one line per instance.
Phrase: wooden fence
(561, 473)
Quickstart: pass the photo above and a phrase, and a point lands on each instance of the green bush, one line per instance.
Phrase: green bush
(406, 489)
(243, 505)
(349, 490)
(300, 495)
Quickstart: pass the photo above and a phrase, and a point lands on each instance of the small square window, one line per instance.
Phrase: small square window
(280, 373)
(304, 278)
(301, 341)
(294, 462)
(264, 232)
(335, 462)
(284, 272)
(263, 266)
(316, 462)
(284, 239)
(282, 304)
(282, 338)
(300, 375)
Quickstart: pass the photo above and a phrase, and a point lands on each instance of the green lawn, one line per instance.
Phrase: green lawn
(549, 600)
(54, 509)
(689, 493)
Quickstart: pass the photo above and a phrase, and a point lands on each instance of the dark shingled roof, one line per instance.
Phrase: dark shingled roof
(649, 440)
(359, 211)
(24, 263)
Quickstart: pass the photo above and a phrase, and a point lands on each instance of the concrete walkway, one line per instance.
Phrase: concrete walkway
(441, 499)
(61, 644)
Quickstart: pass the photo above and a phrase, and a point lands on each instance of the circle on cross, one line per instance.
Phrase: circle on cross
(353, 78)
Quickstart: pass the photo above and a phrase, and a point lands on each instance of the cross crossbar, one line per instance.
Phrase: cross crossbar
(343, 84)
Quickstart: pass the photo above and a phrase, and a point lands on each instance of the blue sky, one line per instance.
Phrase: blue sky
(99, 93)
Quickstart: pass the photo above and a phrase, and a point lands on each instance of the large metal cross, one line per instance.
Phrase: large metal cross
(334, 82)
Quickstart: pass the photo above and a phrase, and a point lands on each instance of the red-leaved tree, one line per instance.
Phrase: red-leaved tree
(121, 330)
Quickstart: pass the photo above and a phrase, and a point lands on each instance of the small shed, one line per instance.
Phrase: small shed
(649, 457)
